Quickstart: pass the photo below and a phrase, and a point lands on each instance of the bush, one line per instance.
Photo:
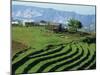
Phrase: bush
(89, 40)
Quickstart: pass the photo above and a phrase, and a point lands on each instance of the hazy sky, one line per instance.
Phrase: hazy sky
(75, 8)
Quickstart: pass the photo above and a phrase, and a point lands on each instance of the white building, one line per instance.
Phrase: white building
(15, 22)
(26, 21)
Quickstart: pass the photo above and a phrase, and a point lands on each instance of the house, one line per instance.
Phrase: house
(53, 26)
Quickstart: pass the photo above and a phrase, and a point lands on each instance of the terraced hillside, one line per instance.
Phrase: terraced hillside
(75, 55)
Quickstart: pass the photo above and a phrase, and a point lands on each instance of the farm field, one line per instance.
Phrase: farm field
(39, 37)
(36, 50)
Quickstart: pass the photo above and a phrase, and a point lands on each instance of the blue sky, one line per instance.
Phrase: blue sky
(80, 9)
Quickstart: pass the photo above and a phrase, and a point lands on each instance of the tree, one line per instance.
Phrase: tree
(43, 21)
(60, 28)
(74, 25)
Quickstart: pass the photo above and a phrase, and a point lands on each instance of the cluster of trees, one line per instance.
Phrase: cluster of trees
(74, 25)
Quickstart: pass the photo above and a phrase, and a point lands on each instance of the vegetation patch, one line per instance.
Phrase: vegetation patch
(18, 46)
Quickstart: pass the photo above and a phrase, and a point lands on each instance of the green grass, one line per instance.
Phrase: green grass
(38, 39)
(85, 55)
(77, 55)
(35, 69)
(69, 54)
(31, 60)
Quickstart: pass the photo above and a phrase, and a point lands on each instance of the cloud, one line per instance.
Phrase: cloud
(18, 14)
(80, 9)
(27, 13)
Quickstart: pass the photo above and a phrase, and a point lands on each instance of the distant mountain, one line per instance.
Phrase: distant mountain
(20, 12)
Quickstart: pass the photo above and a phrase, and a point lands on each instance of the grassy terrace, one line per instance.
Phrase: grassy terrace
(36, 49)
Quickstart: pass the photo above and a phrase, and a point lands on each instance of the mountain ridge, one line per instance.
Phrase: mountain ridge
(49, 14)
